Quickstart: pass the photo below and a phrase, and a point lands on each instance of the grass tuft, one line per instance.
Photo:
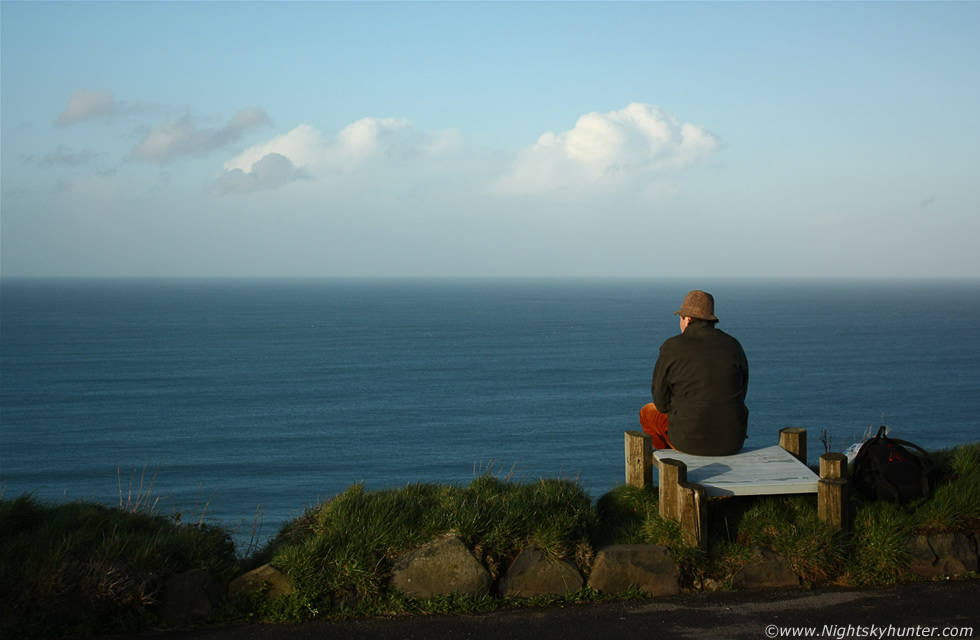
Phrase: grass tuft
(623, 514)
(790, 526)
(877, 554)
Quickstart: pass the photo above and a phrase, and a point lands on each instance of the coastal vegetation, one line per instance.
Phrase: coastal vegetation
(84, 569)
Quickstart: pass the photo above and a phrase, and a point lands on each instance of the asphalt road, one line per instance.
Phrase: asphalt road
(924, 609)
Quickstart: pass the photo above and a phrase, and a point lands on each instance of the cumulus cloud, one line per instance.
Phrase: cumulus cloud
(608, 149)
(301, 147)
(638, 146)
(396, 143)
(182, 137)
(387, 138)
(271, 171)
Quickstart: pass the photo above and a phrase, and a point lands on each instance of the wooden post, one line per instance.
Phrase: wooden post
(686, 503)
(692, 500)
(832, 496)
(793, 439)
(639, 459)
(833, 465)
(672, 474)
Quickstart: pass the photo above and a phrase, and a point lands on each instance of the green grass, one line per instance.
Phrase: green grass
(877, 546)
(81, 568)
(343, 550)
(103, 565)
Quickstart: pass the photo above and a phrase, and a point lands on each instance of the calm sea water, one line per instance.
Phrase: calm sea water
(269, 396)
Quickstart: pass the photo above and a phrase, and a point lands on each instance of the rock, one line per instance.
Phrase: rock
(535, 574)
(956, 553)
(765, 568)
(190, 597)
(648, 567)
(442, 567)
(942, 554)
(266, 579)
(922, 559)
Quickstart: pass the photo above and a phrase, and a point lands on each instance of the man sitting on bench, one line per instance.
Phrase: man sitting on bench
(699, 385)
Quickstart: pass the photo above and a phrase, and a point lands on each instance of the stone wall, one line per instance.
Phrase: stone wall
(446, 566)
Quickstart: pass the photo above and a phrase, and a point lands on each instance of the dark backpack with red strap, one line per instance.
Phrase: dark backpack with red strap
(893, 470)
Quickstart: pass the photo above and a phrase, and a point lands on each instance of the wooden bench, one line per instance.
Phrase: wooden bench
(686, 481)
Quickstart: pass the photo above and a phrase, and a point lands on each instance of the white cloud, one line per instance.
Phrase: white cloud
(270, 172)
(369, 144)
(87, 105)
(608, 150)
(301, 146)
(182, 137)
(632, 150)
(362, 139)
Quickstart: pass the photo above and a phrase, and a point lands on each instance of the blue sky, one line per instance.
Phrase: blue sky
(490, 139)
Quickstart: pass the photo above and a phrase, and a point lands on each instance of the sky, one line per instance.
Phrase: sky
(490, 139)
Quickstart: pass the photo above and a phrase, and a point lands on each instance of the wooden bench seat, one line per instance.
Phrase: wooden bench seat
(751, 471)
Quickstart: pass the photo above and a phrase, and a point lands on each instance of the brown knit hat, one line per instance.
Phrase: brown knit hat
(698, 304)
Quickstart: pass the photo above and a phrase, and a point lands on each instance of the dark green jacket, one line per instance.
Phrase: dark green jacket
(700, 380)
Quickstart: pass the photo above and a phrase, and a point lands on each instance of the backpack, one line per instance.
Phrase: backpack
(886, 469)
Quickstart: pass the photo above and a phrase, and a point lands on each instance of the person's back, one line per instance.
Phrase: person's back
(699, 386)
(700, 379)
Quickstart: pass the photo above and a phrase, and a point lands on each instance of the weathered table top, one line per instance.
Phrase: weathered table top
(751, 471)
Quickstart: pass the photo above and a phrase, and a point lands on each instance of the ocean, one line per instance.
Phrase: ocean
(248, 401)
